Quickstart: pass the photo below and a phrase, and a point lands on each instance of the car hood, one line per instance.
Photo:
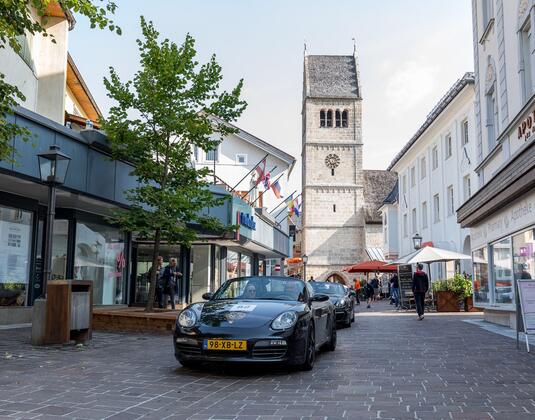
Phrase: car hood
(245, 313)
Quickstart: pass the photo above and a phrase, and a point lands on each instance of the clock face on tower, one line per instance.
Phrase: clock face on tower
(332, 161)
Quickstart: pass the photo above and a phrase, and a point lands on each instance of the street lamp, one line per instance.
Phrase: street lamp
(417, 241)
(53, 166)
(304, 258)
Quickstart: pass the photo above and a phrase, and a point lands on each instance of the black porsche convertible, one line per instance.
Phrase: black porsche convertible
(257, 319)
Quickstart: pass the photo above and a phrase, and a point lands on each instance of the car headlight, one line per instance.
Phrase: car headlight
(187, 318)
(341, 302)
(284, 321)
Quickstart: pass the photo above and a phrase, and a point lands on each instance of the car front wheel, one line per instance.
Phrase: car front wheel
(310, 356)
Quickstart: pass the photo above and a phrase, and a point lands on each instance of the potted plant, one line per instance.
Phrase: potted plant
(446, 296)
(465, 290)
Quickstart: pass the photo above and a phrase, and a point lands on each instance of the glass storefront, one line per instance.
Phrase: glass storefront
(60, 243)
(15, 255)
(502, 271)
(200, 276)
(524, 255)
(100, 257)
(246, 265)
(481, 276)
(232, 264)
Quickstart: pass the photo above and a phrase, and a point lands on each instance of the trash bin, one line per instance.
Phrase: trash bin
(69, 311)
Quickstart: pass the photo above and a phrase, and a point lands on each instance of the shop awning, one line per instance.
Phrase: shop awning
(371, 267)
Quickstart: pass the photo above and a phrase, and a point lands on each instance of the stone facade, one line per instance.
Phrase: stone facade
(333, 222)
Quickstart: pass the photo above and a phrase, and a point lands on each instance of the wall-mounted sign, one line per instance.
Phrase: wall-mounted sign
(527, 127)
(246, 220)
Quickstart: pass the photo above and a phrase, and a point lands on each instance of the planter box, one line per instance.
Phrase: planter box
(469, 305)
(447, 302)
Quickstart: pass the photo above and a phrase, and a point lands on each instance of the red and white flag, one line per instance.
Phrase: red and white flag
(261, 172)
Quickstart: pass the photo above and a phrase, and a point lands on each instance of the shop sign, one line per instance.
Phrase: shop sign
(517, 216)
(246, 220)
(527, 127)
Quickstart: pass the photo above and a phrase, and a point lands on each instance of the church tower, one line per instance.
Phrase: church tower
(334, 234)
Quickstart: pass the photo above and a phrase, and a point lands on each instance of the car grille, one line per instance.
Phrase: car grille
(269, 352)
(226, 353)
(189, 349)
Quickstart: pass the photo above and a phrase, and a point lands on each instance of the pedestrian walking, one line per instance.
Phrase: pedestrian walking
(171, 277)
(159, 280)
(394, 290)
(369, 293)
(357, 290)
(311, 279)
(420, 286)
(375, 285)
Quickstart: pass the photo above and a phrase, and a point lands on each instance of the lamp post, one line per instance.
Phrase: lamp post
(305, 260)
(53, 166)
(417, 241)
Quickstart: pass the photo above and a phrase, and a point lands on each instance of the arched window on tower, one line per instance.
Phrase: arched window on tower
(329, 118)
(323, 121)
(344, 118)
(338, 118)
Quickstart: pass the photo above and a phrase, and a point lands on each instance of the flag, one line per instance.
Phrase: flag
(276, 189)
(267, 183)
(260, 170)
(296, 210)
(291, 208)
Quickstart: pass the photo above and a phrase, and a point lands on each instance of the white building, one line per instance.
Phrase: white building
(435, 176)
(235, 158)
(46, 74)
(501, 216)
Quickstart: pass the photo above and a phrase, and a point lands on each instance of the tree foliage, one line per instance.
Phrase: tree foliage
(159, 116)
(16, 21)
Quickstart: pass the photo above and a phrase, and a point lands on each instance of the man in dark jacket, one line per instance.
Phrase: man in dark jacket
(368, 293)
(159, 281)
(394, 289)
(171, 275)
(420, 286)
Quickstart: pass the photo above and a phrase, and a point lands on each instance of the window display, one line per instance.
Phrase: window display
(232, 264)
(245, 265)
(503, 273)
(481, 276)
(15, 248)
(100, 257)
(524, 255)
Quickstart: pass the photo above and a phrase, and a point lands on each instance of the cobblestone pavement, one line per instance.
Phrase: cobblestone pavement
(388, 365)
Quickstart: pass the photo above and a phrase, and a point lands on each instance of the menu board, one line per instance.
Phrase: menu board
(405, 282)
(526, 294)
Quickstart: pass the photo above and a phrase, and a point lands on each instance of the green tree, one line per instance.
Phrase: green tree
(16, 21)
(159, 116)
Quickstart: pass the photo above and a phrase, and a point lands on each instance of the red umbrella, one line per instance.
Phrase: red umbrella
(371, 267)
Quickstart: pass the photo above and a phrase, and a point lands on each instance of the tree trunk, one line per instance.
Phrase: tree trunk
(153, 272)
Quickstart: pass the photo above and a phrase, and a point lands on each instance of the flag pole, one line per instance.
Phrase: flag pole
(263, 192)
(248, 173)
(277, 215)
(275, 167)
(282, 202)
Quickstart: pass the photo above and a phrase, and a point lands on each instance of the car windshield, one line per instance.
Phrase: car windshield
(262, 288)
(331, 289)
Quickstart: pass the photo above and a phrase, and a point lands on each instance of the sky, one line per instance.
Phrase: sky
(410, 53)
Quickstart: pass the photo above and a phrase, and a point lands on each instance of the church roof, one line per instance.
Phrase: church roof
(331, 76)
(377, 185)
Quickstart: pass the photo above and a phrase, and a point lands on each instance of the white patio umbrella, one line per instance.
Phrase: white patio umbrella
(430, 254)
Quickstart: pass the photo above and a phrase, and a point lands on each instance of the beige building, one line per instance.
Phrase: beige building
(340, 199)
(46, 74)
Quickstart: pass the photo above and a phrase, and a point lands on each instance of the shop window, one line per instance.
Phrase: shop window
(502, 272)
(232, 264)
(15, 245)
(246, 265)
(524, 255)
(100, 257)
(200, 275)
(59, 250)
(481, 276)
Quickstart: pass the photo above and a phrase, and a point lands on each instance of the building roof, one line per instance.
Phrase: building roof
(447, 99)
(81, 92)
(331, 76)
(261, 144)
(392, 197)
(377, 185)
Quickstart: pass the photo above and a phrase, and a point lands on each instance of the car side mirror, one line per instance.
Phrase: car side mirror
(207, 296)
(320, 297)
